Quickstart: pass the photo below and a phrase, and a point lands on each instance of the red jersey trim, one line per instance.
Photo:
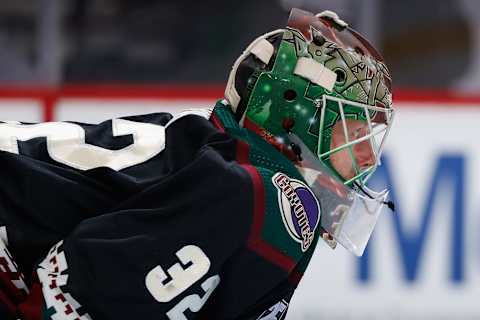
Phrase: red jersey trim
(216, 122)
(255, 242)
(242, 154)
(32, 308)
(295, 277)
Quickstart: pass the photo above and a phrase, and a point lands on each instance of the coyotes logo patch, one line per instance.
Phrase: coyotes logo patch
(299, 208)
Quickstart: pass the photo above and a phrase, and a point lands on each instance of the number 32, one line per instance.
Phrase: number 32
(180, 280)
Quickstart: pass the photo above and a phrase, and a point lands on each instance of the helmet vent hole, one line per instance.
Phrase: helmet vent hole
(290, 95)
(341, 76)
(318, 40)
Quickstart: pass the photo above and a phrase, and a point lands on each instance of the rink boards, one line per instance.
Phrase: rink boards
(423, 261)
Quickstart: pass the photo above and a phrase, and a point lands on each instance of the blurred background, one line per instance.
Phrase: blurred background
(91, 60)
(52, 42)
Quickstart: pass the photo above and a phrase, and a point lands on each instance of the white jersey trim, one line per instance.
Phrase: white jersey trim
(202, 112)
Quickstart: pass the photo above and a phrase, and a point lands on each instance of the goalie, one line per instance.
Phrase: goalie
(211, 214)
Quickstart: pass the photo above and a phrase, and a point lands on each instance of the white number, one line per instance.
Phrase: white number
(66, 143)
(275, 312)
(193, 302)
(181, 278)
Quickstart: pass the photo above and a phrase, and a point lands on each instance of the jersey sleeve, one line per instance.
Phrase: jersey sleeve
(159, 256)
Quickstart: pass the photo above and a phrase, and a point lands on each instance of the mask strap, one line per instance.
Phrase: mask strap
(388, 203)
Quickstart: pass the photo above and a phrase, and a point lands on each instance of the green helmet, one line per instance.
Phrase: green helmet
(316, 74)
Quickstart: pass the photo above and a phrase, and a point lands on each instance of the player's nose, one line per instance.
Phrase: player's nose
(364, 155)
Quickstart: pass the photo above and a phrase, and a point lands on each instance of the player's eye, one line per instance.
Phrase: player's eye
(357, 133)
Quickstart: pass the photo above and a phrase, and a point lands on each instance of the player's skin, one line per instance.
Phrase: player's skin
(362, 151)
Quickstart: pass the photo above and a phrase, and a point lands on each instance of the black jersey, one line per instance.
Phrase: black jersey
(151, 217)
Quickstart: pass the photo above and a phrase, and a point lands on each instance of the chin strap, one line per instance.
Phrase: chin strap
(388, 203)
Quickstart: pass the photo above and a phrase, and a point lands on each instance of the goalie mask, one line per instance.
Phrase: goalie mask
(320, 83)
